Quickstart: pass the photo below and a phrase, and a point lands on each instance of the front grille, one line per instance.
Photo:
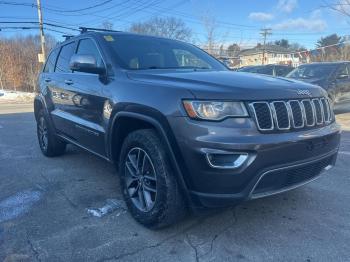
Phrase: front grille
(286, 178)
(291, 114)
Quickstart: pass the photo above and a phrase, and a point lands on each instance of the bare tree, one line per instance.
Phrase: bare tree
(340, 6)
(210, 27)
(107, 25)
(169, 27)
(19, 65)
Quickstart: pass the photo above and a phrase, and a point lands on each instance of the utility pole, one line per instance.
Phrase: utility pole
(265, 32)
(42, 57)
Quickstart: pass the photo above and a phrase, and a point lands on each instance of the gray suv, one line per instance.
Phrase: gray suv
(183, 130)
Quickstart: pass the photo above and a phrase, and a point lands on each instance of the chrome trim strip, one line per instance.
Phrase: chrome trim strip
(327, 108)
(314, 101)
(236, 164)
(82, 147)
(285, 189)
(292, 116)
(251, 105)
(273, 192)
(313, 112)
(276, 117)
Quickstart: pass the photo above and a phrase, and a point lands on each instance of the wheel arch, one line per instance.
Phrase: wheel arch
(125, 122)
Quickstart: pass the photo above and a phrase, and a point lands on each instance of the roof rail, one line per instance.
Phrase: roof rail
(87, 29)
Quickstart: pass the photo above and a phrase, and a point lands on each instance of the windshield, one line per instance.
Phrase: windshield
(312, 71)
(142, 52)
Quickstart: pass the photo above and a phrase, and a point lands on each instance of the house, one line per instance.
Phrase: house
(274, 54)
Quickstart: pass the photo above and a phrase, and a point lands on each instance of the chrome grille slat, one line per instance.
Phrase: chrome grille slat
(280, 115)
(256, 111)
(318, 111)
(291, 114)
(296, 113)
(326, 111)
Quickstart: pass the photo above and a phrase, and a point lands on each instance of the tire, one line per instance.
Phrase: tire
(50, 145)
(165, 206)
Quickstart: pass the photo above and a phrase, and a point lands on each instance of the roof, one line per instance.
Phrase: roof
(269, 49)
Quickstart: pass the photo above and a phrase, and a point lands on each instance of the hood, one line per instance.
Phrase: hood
(227, 84)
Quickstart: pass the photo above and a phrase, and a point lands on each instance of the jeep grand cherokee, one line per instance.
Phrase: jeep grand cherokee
(183, 130)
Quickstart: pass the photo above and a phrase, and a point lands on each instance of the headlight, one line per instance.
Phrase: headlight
(214, 110)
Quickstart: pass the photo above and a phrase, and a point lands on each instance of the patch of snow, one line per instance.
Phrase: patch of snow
(16, 96)
(110, 206)
(18, 204)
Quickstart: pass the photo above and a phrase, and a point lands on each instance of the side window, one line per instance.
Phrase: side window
(268, 70)
(343, 72)
(50, 63)
(64, 57)
(88, 47)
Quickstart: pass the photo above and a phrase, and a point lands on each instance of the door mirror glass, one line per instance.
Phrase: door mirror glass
(342, 76)
(86, 64)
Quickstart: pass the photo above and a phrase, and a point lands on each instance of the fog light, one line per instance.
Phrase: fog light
(234, 160)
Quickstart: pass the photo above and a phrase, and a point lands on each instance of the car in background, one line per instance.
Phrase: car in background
(334, 77)
(272, 70)
(1, 93)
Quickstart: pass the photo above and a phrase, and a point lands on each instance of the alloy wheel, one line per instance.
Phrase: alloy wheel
(140, 179)
(43, 133)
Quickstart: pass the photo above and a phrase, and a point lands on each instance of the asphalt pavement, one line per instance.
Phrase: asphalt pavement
(70, 208)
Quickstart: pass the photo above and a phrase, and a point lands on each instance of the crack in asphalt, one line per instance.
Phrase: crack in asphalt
(35, 252)
(194, 247)
(185, 231)
(61, 192)
(189, 242)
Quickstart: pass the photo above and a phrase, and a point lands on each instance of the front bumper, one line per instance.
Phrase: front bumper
(275, 163)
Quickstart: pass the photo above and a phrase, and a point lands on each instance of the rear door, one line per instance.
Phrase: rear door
(61, 93)
(47, 78)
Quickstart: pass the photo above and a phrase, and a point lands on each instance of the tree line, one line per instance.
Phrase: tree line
(19, 66)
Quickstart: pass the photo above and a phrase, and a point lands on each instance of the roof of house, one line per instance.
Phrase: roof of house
(269, 49)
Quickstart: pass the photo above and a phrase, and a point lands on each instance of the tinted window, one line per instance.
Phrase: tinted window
(313, 71)
(64, 57)
(50, 63)
(343, 72)
(142, 52)
(282, 70)
(88, 47)
(268, 70)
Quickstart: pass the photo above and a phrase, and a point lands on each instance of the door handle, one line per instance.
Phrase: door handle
(47, 80)
(68, 82)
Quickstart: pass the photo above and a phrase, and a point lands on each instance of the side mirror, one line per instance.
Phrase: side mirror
(342, 76)
(86, 64)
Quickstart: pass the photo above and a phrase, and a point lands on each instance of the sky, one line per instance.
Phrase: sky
(237, 21)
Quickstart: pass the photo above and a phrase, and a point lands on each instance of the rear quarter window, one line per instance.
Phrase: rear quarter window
(62, 65)
(51, 61)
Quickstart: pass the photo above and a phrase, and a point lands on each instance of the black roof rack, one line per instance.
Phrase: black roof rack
(67, 37)
(87, 29)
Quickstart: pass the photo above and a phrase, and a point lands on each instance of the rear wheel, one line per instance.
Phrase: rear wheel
(49, 144)
(150, 189)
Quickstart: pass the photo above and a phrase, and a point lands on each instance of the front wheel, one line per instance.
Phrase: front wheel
(149, 186)
(49, 144)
